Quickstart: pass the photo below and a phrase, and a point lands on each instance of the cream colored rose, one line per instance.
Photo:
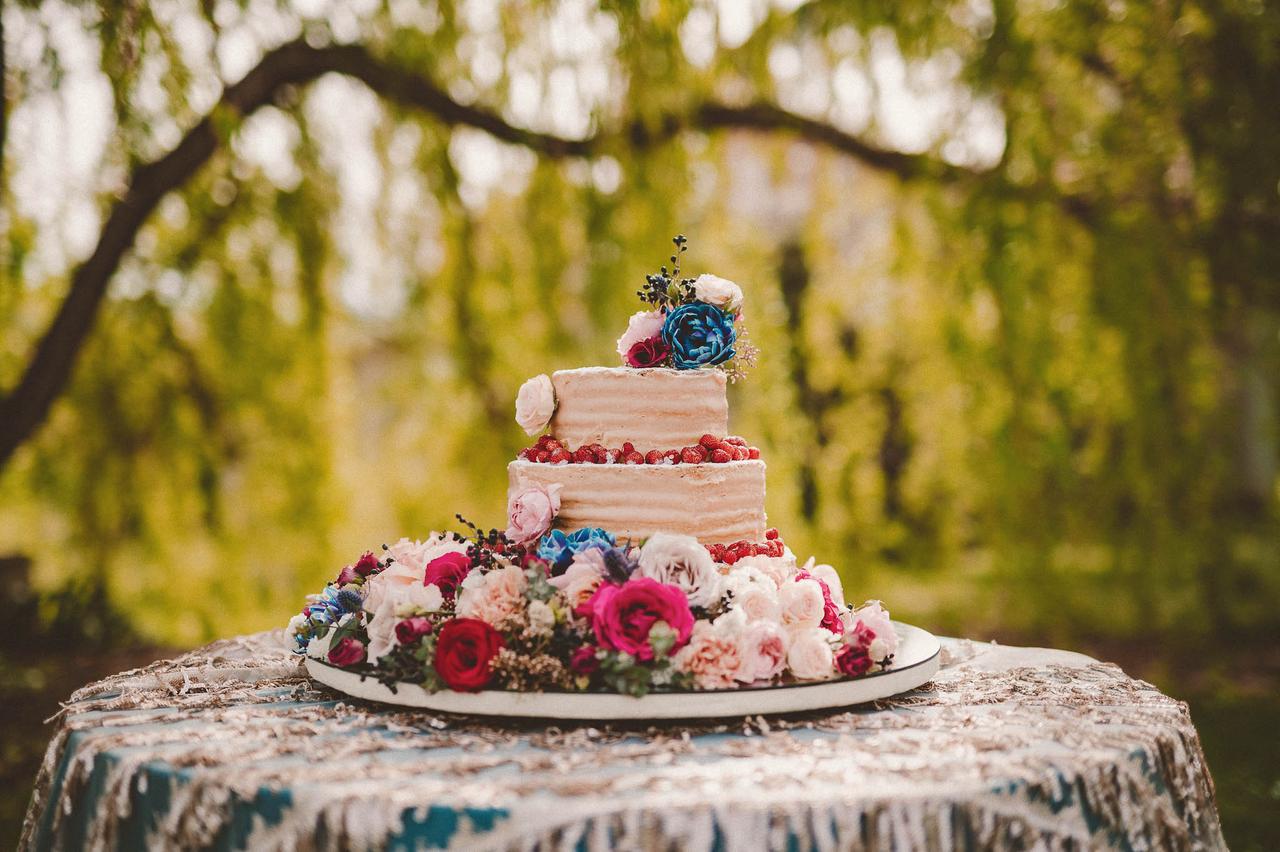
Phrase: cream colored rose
(810, 656)
(535, 403)
(802, 603)
(721, 292)
(682, 561)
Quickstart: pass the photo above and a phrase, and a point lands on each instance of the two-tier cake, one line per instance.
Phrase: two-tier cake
(636, 556)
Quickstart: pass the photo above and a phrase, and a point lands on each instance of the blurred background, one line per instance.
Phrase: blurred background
(1013, 268)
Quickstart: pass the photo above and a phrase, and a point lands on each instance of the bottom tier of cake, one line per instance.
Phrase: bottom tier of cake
(712, 502)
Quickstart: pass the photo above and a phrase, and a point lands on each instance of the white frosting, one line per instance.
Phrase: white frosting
(655, 409)
(714, 502)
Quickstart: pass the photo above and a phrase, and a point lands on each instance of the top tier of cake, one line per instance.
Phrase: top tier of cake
(653, 409)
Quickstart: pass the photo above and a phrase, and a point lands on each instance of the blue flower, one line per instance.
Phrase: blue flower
(590, 537)
(699, 335)
(349, 601)
(558, 549)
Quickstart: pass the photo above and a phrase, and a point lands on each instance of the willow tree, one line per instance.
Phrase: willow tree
(1012, 268)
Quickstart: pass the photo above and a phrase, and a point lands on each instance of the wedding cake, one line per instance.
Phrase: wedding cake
(637, 556)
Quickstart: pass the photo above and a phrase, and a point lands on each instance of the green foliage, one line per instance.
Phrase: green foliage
(1038, 397)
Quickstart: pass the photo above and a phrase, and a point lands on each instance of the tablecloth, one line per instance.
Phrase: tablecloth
(231, 746)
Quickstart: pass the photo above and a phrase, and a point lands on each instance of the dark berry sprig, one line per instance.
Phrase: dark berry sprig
(667, 290)
(484, 546)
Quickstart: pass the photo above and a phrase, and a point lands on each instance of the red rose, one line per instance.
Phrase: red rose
(347, 652)
(623, 615)
(463, 652)
(366, 564)
(447, 572)
(410, 630)
(648, 353)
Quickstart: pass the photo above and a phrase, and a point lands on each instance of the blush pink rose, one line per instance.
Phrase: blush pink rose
(764, 652)
(622, 616)
(810, 656)
(531, 511)
(802, 603)
(876, 618)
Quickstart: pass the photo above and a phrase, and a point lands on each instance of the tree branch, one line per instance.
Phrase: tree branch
(297, 63)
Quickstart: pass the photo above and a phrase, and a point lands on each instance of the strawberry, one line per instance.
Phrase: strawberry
(753, 453)
(719, 456)
(581, 456)
(653, 457)
(692, 455)
(729, 558)
(560, 456)
(628, 447)
(672, 456)
(771, 533)
(708, 440)
(633, 457)
(541, 456)
(734, 439)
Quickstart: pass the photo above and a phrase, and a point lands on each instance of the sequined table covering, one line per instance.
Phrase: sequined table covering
(231, 746)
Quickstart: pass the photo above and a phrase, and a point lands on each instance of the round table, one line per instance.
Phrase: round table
(231, 746)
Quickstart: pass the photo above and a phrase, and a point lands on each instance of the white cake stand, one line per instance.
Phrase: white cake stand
(915, 664)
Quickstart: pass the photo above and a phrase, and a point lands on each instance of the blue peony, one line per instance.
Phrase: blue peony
(558, 549)
(699, 335)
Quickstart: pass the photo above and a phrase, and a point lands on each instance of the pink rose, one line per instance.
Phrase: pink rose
(644, 325)
(810, 656)
(622, 616)
(447, 572)
(712, 656)
(764, 652)
(802, 603)
(347, 652)
(531, 511)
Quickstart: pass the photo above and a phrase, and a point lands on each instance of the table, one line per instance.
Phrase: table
(231, 746)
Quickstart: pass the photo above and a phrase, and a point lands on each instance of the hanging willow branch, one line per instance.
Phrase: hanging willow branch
(297, 63)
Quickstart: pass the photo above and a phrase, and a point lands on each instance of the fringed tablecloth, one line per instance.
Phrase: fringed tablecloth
(231, 746)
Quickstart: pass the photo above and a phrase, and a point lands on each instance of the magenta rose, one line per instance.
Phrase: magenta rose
(853, 660)
(531, 511)
(447, 572)
(347, 652)
(346, 575)
(622, 616)
(648, 353)
(410, 630)
(584, 661)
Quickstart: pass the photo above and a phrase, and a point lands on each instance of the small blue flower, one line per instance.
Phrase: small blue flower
(699, 335)
(349, 601)
(558, 549)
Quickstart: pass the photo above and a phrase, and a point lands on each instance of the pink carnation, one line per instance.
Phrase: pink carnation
(713, 657)
(622, 616)
(531, 511)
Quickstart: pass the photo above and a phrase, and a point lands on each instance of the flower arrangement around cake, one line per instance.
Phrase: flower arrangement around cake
(541, 607)
(536, 608)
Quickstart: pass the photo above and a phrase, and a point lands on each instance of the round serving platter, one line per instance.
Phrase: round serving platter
(917, 660)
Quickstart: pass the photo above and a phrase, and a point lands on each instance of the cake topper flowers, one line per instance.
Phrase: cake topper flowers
(692, 323)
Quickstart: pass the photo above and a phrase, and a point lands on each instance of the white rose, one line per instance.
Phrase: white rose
(810, 656)
(535, 403)
(291, 632)
(828, 575)
(721, 292)
(541, 618)
(682, 561)
(410, 557)
(642, 326)
(802, 603)
(777, 569)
